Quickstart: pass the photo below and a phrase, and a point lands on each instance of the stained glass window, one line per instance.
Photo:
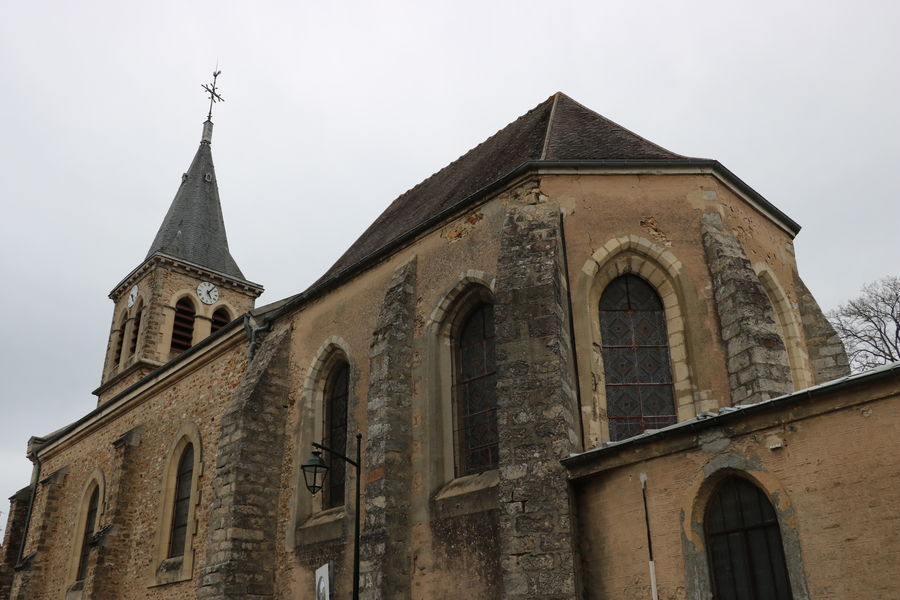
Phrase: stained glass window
(475, 393)
(90, 524)
(182, 504)
(743, 541)
(639, 393)
(337, 389)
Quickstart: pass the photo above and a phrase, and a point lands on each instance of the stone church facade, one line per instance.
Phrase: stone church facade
(583, 366)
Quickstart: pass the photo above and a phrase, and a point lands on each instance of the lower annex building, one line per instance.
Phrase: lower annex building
(582, 366)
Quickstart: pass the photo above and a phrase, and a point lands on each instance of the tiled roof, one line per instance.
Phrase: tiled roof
(193, 229)
(558, 129)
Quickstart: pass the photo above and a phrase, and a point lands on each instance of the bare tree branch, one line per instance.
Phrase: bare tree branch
(869, 326)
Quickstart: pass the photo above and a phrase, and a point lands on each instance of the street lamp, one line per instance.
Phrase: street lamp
(314, 472)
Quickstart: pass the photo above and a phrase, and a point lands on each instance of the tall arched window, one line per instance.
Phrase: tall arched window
(135, 329)
(743, 542)
(639, 391)
(475, 392)
(220, 319)
(90, 526)
(337, 392)
(181, 506)
(119, 342)
(183, 328)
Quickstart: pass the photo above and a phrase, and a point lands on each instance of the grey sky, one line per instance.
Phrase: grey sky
(333, 109)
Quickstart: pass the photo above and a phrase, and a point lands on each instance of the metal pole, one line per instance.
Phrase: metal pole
(356, 527)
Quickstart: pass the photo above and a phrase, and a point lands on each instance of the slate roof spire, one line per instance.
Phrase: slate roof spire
(194, 229)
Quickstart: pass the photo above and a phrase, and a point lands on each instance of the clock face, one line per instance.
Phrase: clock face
(132, 296)
(208, 293)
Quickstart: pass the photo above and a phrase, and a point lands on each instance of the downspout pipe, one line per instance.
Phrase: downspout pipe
(251, 334)
(35, 478)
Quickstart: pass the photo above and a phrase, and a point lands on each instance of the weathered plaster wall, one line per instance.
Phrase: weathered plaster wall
(826, 464)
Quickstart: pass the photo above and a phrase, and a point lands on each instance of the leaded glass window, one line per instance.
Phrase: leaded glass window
(639, 393)
(337, 391)
(475, 393)
(181, 507)
(743, 542)
(90, 525)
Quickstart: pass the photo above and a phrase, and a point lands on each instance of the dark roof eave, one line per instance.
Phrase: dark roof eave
(321, 287)
(693, 426)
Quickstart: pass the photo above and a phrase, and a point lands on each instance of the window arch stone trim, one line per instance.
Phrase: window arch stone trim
(307, 509)
(97, 481)
(698, 495)
(472, 287)
(180, 568)
(656, 264)
(789, 325)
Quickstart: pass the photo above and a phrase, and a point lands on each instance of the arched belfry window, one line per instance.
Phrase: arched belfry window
(475, 392)
(743, 542)
(135, 329)
(90, 527)
(181, 505)
(337, 392)
(220, 319)
(119, 342)
(639, 391)
(183, 327)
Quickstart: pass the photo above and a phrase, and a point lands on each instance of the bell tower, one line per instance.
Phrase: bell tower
(188, 286)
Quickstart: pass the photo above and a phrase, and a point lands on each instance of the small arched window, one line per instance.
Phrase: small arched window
(337, 392)
(181, 506)
(135, 329)
(635, 346)
(475, 392)
(183, 328)
(220, 319)
(743, 542)
(90, 526)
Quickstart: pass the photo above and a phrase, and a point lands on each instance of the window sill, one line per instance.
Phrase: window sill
(467, 495)
(323, 526)
(170, 570)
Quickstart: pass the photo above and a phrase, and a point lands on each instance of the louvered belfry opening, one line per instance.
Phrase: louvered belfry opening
(119, 342)
(220, 319)
(743, 543)
(181, 506)
(183, 329)
(635, 346)
(90, 523)
(475, 393)
(135, 330)
(337, 393)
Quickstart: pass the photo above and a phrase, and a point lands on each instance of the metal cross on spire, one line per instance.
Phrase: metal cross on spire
(214, 95)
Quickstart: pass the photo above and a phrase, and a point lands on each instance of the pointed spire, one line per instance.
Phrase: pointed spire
(194, 229)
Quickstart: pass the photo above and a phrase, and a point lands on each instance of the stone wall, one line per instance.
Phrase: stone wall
(12, 538)
(757, 360)
(537, 412)
(240, 544)
(826, 352)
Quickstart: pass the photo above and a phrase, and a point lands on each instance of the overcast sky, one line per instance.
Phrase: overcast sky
(335, 108)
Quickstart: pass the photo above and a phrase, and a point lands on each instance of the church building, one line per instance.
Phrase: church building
(574, 364)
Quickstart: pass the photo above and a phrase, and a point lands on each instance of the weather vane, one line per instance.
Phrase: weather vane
(214, 96)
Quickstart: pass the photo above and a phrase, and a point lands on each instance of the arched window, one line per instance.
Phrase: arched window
(743, 542)
(182, 504)
(135, 329)
(639, 391)
(90, 526)
(337, 391)
(119, 342)
(220, 319)
(183, 328)
(475, 392)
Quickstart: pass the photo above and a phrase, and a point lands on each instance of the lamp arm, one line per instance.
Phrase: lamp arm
(338, 454)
